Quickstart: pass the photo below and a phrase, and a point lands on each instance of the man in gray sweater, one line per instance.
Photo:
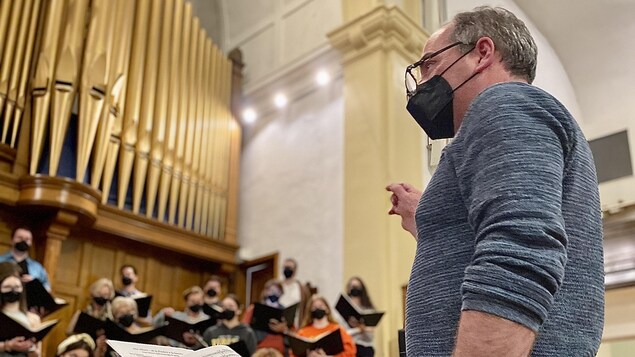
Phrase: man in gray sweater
(509, 230)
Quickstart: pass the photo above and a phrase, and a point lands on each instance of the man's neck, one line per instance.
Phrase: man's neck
(18, 255)
(130, 288)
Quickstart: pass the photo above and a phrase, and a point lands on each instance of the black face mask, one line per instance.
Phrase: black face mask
(100, 300)
(273, 298)
(211, 293)
(195, 308)
(21, 246)
(288, 272)
(10, 296)
(355, 292)
(318, 313)
(126, 281)
(126, 320)
(432, 105)
(227, 314)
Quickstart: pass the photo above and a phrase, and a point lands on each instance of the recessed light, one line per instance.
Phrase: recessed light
(280, 100)
(249, 115)
(322, 77)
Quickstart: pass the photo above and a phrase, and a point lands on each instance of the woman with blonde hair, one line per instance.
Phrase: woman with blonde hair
(318, 320)
(80, 345)
(124, 312)
(102, 291)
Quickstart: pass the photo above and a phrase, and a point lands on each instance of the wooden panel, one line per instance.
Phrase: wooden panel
(161, 273)
(69, 266)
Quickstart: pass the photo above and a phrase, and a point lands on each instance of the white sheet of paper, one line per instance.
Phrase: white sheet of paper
(213, 351)
(128, 349)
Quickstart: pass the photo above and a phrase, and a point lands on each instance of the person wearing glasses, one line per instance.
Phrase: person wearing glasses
(509, 229)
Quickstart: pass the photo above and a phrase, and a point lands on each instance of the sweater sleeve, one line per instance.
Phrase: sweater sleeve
(350, 350)
(510, 176)
(250, 340)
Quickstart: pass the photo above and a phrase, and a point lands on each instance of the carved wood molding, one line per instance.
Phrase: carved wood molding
(9, 188)
(141, 229)
(62, 193)
(79, 205)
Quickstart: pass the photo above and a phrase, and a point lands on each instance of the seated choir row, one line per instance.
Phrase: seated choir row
(315, 316)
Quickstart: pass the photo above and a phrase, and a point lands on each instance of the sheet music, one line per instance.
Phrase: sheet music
(128, 349)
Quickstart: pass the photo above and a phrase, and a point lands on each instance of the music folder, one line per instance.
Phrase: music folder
(264, 313)
(143, 303)
(240, 347)
(346, 308)
(175, 328)
(39, 298)
(10, 328)
(90, 325)
(213, 311)
(117, 332)
(330, 342)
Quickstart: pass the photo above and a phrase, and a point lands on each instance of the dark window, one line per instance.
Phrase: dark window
(612, 156)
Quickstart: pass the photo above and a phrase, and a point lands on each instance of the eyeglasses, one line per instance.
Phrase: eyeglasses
(413, 71)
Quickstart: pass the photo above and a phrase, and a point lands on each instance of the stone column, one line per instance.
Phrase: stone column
(382, 144)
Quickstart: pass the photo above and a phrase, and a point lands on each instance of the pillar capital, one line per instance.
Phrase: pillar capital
(386, 28)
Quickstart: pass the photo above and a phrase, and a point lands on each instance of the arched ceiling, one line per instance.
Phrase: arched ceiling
(595, 41)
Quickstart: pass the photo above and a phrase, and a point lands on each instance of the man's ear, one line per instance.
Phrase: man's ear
(485, 49)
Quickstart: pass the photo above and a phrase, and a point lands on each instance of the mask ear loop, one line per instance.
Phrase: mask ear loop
(461, 85)
(458, 59)
(453, 63)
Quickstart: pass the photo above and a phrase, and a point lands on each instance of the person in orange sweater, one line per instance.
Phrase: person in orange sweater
(269, 296)
(318, 320)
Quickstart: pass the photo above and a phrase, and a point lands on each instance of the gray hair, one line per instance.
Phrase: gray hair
(509, 34)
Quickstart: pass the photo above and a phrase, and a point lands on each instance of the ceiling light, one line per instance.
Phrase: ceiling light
(280, 100)
(322, 78)
(249, 115)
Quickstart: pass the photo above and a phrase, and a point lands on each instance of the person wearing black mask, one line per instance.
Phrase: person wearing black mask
(129, 281)
(362, 334)
(230, 330)
(213, 291)
(293, 291)
(509, 229)
(124, 312)
(270, 296)
(318, 321)
(22, 240)
(102, 292)
(192, 314)
(13, 304)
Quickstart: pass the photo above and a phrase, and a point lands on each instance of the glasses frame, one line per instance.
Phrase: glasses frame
(410, 93)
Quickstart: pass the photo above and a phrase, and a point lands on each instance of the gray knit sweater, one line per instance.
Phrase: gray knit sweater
(510, 225)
